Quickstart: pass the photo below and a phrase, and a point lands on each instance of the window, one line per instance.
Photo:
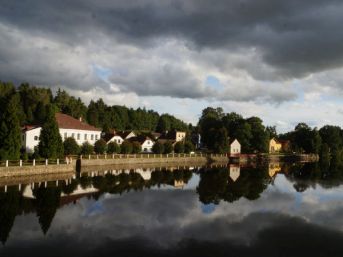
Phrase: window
(92, 137)
(78, 136)
(72, 135)
(36, 138)
(85, 136)
(96, 137)
(65, 136)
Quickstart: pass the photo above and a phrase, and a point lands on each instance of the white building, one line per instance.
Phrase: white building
(147, 145)
(113, 137)
(235, 147)
(30, 137)
(68, 127)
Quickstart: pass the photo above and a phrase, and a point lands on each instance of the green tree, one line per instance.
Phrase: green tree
(271, 130)
(87, 148)
(305, 139)
(70, 146)
(189, 147)
(158, 148)
(210, 121)
(126, 147)
(136, 147)
(10, 134)
(331, 136)
(243, 135)
(259, 141)
(100, 146)
(163, 124)
(168, 147)
(220, 140)
(179, 147)
(50, 141)
(113, 147)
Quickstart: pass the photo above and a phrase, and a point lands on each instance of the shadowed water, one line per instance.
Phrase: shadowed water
(269, 210)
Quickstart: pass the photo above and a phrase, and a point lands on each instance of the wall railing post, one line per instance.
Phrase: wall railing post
(6, 163)
(20, 163)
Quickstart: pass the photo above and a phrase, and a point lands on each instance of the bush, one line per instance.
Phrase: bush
(113, 147)
(126, 147)
(158, 148)
(71, 147)
(136, 147)
(87, 148)
(23, 154)
(100, 146)
(179, 147)
(189, 147)
(168, 147)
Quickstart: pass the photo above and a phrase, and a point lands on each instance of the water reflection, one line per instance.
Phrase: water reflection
(240, 210)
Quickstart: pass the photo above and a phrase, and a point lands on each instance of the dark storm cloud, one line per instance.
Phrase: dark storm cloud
(295, 36)
(58, 42)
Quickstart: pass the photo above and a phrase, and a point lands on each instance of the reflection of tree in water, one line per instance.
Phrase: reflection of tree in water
(215, 185)
(9, 208)
(326, 174)
(47, 201)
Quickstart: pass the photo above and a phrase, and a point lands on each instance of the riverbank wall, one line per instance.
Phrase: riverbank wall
(15, 171)
(245, 158)
(180, 160)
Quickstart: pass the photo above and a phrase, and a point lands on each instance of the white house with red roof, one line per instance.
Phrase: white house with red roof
(68, 127)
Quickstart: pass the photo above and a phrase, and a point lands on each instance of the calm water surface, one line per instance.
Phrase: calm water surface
(271, 210)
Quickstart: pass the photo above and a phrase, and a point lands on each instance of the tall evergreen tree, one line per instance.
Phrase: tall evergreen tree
(50, 141)
(10, 142)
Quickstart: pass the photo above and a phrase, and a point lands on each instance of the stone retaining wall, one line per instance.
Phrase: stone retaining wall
(201, 160)
(36, 170)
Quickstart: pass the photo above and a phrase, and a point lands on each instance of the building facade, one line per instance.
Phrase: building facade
(68, 127)
(235, 148)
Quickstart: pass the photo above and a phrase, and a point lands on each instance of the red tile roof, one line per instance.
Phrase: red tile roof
(67, 122)
(29, 127)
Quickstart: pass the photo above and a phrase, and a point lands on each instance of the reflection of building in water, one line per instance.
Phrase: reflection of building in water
(274, 167)
(179, 183)
(235, 172)
(79, 191)
(145, 173)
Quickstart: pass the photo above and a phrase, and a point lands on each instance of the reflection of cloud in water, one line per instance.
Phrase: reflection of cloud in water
(150, 221)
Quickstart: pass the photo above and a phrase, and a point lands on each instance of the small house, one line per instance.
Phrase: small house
(235, 148)
(277, 146)
(146, 143)
(113, 137)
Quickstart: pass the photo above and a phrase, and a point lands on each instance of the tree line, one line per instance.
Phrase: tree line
(28, 104)
(217, 128)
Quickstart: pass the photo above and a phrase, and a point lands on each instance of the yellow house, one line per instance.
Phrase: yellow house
(274, 146)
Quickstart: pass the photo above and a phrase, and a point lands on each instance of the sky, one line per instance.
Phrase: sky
(279, 60)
